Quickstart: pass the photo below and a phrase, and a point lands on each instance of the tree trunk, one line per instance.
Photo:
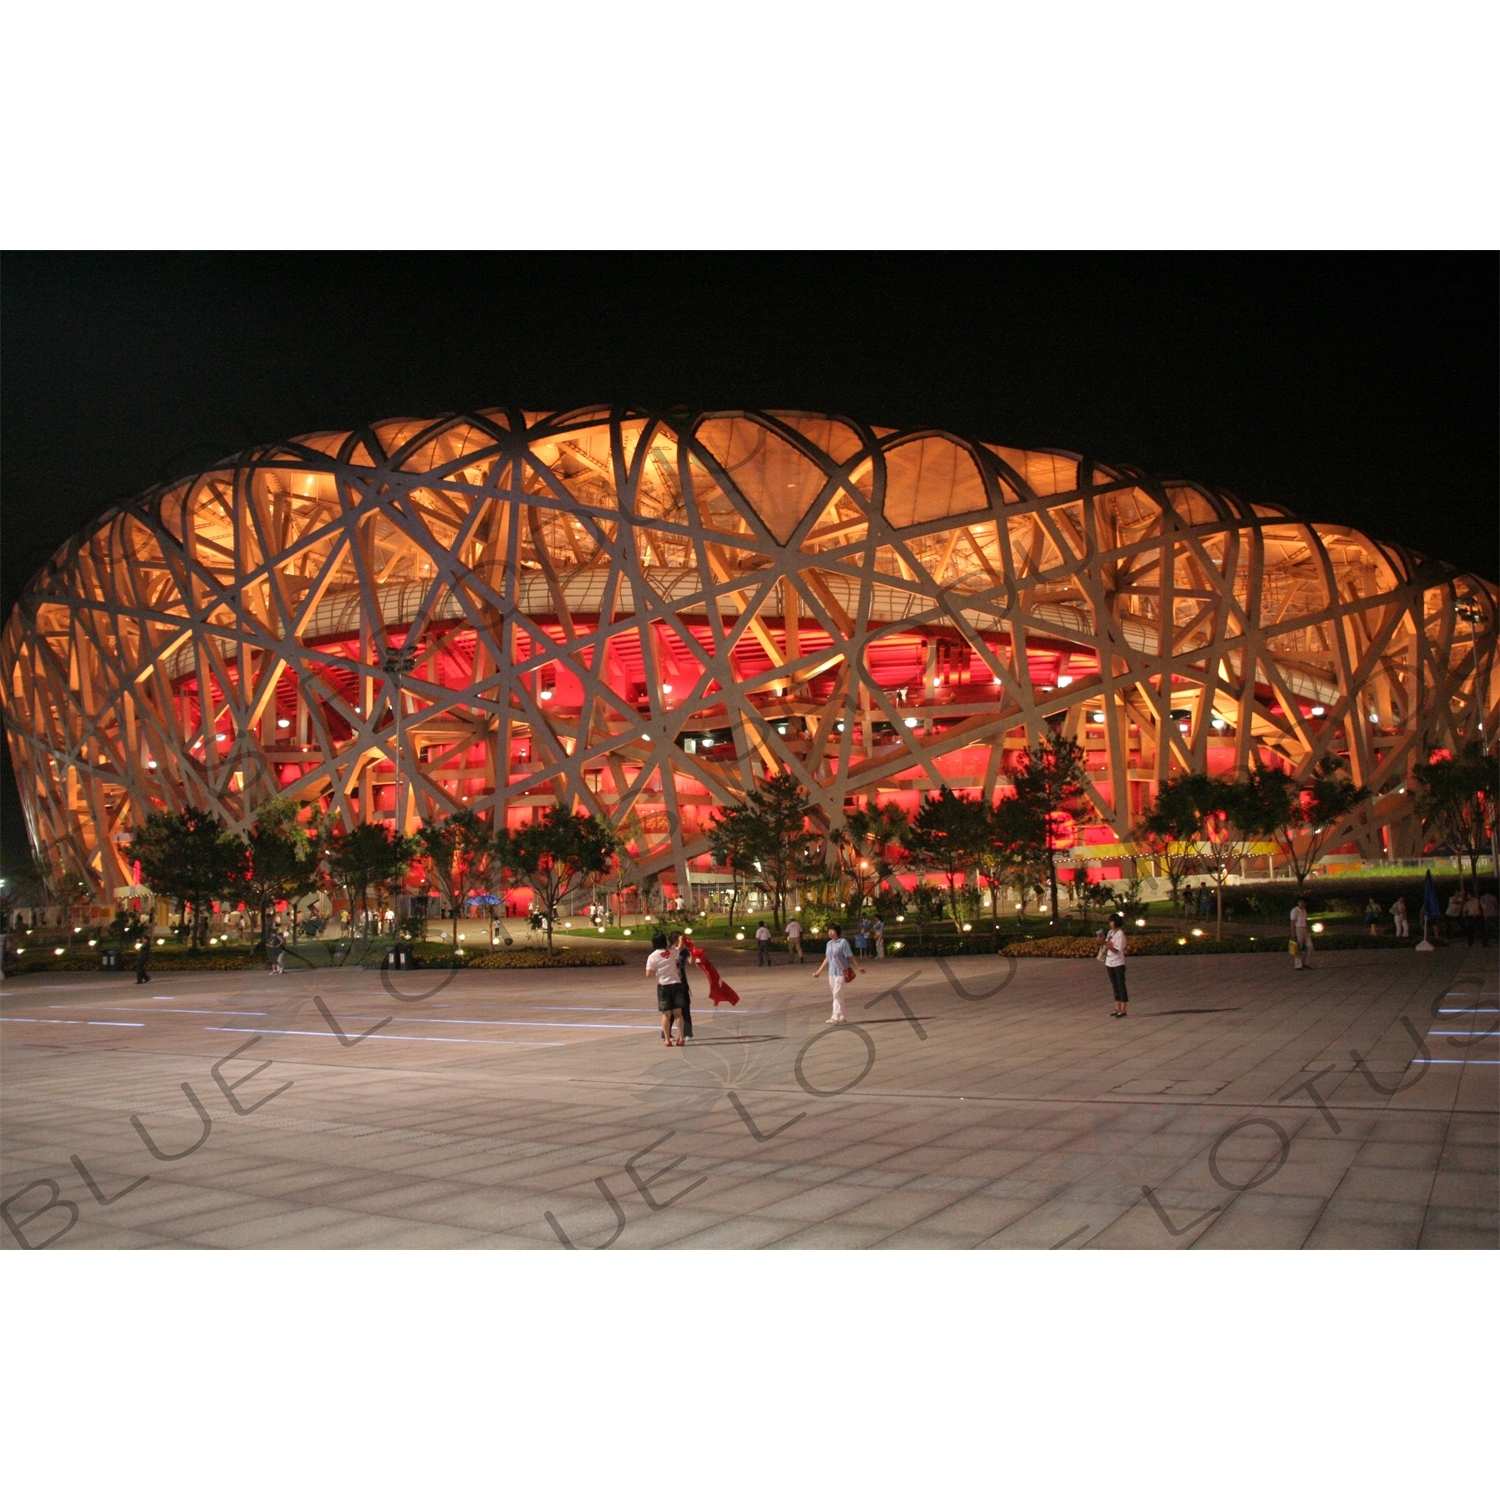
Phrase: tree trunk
(1219, 928)
(1052, 887)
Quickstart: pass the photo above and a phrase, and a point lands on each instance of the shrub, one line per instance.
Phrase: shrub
(1162, 944)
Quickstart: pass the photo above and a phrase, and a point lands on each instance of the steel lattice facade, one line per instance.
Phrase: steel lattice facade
(640, 614)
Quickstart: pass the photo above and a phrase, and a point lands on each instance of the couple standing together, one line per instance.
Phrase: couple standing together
(668, 965)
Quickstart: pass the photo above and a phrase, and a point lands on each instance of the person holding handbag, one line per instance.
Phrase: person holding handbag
(839, 962)
(1112, 954)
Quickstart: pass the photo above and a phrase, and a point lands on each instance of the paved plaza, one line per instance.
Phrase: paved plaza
(980, 1102)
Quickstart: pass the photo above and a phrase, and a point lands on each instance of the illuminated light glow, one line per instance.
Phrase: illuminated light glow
(1140, 921)
(938, 504)
(545, 695)
(1197, 932)
(1317, 927)
(912, 723)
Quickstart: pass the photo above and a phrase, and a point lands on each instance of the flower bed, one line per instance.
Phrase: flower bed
(530, 958)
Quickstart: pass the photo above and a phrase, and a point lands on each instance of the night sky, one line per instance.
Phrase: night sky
(1355, 388)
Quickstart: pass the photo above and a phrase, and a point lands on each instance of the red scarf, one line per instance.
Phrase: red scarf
(718, 991)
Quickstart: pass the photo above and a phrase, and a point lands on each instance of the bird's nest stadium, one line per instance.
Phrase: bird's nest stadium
(641, 614)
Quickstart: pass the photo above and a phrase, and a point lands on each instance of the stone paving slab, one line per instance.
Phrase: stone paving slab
(1241, 1105)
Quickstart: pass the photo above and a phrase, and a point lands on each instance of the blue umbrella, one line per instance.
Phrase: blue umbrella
(484, 901)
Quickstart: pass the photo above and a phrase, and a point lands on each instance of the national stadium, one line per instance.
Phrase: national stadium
(644, 614)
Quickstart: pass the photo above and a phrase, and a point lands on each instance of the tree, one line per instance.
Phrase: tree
(1228, 815)
(1457, 801)
(23, 883)
(191, 857)
(1169, 833)
(370, 856)
(1050, 779)
(772, 836)
(558, 852)
(733, 839)
(1301, 818)
(947, 835)
(460, 854)
(281, 861)
(870, 847)
(1013, 848)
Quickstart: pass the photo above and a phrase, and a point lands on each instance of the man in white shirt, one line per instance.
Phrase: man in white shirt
(794, 941)
(1302, 953)
(763, 946)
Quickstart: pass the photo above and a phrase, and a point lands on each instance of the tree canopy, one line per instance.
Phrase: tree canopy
(557, 853)
(191, 857)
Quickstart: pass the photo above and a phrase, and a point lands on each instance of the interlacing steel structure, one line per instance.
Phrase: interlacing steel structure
(641, 614)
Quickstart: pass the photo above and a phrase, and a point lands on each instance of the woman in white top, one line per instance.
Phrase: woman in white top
(839, 962)
(661, 965)
(1114, 962)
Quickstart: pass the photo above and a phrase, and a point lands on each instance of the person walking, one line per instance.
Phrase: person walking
(1372, 917)
(1398, 912)
(1301, 938)
(794, 941)
(661, 966)
(1114, 964)
(839, 962)
(142, 960)
(683, 954)
(1473, 919)
(276, 950)
(879, 937)
(763, 946)
(862, 940)
(1453, 917)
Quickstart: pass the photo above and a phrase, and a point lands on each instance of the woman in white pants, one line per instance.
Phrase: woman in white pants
(1398, 911)
(839, 962)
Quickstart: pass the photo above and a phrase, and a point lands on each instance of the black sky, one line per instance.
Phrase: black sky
(1355, 388)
